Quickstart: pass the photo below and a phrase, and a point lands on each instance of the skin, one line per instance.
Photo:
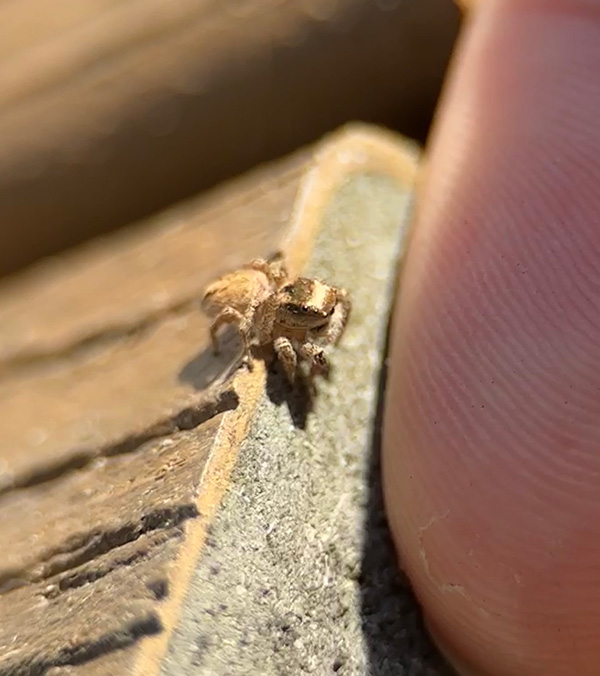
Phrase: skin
(491, 457)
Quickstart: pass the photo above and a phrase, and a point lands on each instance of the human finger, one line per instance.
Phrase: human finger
(492, 440)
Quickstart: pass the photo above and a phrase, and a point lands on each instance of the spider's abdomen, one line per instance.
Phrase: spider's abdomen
(238, 290)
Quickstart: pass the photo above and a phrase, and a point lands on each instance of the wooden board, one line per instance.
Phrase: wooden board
(121, 429)
(110, 111)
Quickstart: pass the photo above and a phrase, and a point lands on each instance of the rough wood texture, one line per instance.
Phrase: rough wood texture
(121, 430)
(118, 286)
(111, 404)
(300, 576)
(111, 110)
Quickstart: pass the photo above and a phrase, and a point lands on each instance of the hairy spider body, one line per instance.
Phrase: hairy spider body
(298, 317)
(235, 297)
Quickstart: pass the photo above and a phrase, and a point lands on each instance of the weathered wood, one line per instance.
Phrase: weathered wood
(117, 286)
(107, 348)
(115, 449)
(111, 110)
(300, 575)
(61, 525)
(110, 411)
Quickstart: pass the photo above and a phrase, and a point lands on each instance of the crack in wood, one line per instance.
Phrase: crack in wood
(83, 575)
(87, 547)
(186, 419)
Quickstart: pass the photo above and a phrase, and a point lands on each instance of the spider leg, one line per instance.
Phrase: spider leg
(242, 322)
(265, 320)
(316, 355)
(340, 317)
(287, 356)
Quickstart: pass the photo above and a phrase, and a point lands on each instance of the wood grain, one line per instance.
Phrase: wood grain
(115, 454)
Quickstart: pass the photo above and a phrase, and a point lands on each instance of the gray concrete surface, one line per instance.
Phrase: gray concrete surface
(299, 576)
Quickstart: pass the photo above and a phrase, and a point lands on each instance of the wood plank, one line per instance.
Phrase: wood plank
(109, 504)
(110, 111)
(358, 151)
(110, 413)
(107, 545)
(300, 575)
(117, 286)
(75, 627)
(106, 348)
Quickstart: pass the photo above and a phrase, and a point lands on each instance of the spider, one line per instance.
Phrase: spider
(299, 317)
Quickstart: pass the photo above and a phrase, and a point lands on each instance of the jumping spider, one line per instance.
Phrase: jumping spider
(297, 316)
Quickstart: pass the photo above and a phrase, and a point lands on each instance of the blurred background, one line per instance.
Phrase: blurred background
(111, 110)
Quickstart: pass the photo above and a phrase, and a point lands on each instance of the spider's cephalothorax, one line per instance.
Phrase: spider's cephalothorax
(305, 304)
(298, 317)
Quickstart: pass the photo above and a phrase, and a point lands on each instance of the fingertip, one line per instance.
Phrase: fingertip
(491, 470)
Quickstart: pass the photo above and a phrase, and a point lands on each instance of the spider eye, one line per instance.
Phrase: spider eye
(304, 308)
